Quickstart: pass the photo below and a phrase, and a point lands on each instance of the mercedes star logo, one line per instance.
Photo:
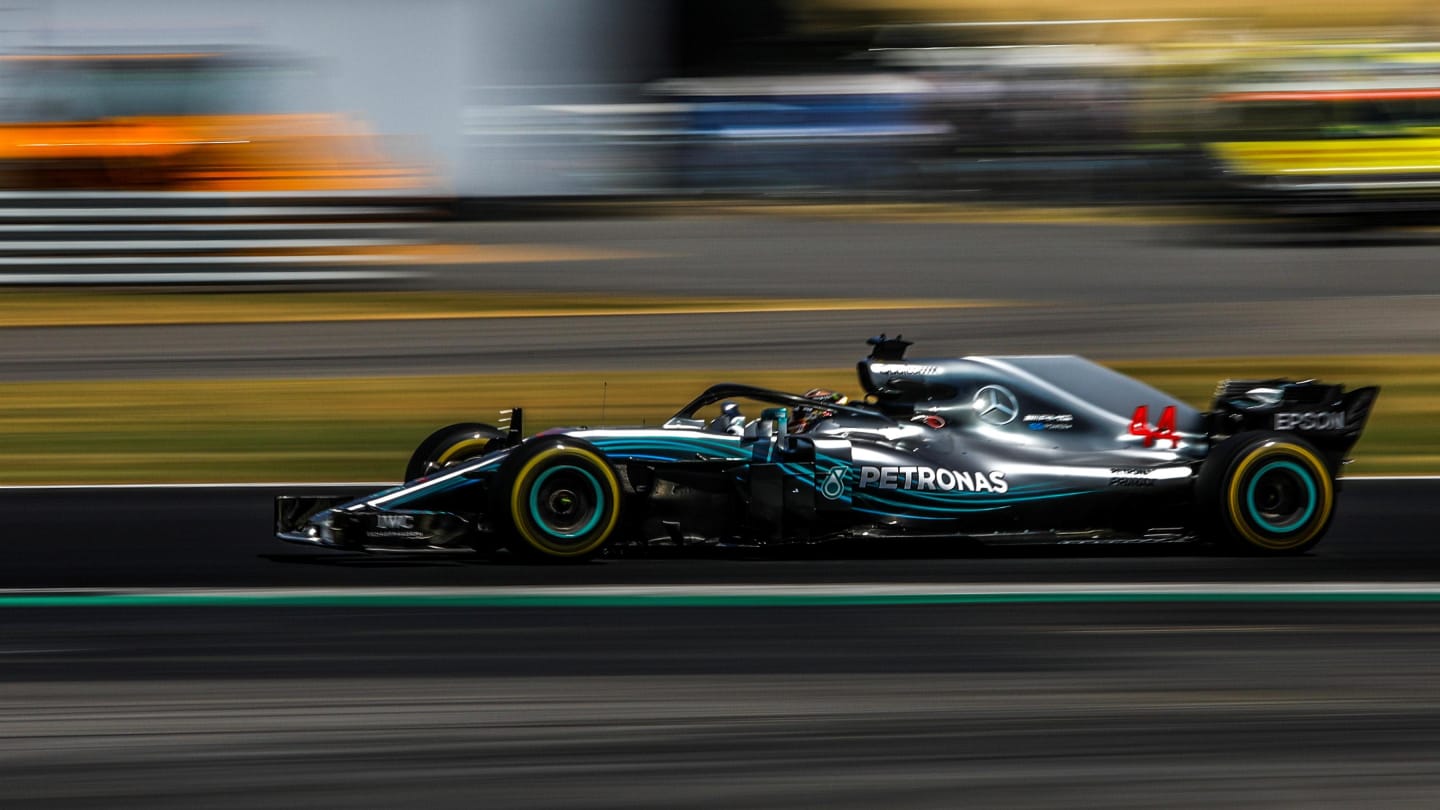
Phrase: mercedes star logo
(995, 405)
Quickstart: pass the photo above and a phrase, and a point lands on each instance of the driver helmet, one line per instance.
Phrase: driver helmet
(807, 415)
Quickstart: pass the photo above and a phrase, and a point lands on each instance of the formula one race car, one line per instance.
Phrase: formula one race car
(991, 448)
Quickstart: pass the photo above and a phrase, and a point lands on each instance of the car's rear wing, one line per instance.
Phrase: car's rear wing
(1324, 414)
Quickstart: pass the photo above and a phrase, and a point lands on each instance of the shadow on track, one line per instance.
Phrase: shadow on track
(839, 551)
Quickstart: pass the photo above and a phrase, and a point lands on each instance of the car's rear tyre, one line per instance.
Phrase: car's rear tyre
(1266, 493)
(451, 445)
(563, 499)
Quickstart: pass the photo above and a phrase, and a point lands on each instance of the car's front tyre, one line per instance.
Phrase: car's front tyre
(451, 445)
(563, 500)
(1266, 493)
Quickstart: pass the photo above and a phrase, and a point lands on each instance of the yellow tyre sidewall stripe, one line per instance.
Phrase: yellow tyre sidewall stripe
(519, 492)
(1235, 496)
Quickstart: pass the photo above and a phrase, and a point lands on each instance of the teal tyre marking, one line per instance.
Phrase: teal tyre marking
(540, 521)
(1259, 517)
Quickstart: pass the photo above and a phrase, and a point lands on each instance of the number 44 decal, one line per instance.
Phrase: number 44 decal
(1164, 430)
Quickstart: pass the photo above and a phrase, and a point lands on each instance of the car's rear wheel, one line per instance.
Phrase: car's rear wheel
(452, 445)
(563, 499)
(1266, 493)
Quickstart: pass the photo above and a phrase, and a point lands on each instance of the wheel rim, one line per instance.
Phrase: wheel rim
(565, 502)
(1281, 497)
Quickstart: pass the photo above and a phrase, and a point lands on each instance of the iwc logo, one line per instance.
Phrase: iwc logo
(394, 521)
(995, 405)
(833, 486)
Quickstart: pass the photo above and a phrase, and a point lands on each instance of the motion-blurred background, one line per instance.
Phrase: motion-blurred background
(441, 208)
(970, 99)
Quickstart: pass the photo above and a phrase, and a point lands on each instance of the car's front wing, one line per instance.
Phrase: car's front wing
(336, 522)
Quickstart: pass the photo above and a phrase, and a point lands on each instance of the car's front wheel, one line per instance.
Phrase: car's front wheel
(1266, 493)
(451, 445)
(563, 499)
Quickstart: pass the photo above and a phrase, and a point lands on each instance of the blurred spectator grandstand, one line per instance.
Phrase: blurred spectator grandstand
(1341, 129)
(781, 98)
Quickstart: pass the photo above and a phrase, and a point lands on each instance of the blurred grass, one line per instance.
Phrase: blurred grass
(352, 429)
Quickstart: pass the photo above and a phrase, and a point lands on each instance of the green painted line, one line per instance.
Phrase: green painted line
(150, 600)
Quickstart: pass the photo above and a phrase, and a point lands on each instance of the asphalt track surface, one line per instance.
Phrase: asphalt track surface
(1111, 292)
(121, 537)
(1104, 703)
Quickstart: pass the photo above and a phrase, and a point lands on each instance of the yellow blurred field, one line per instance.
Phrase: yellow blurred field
(1168, 17)
(350, 429)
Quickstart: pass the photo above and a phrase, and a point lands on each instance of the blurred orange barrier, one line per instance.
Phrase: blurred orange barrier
(181, 122)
